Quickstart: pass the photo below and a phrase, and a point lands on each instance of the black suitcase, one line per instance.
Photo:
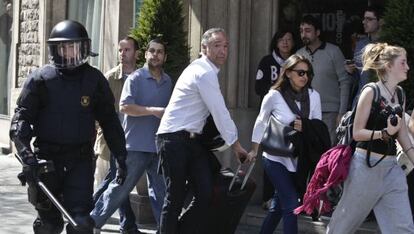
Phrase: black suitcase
(228, 205)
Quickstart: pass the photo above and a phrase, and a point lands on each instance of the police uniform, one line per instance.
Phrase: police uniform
(267, 73)
(64, 126)
(58, 107)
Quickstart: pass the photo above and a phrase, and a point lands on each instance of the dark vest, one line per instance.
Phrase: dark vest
(67, 112)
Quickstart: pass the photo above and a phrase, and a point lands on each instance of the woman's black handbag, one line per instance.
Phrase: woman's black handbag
(276, 139)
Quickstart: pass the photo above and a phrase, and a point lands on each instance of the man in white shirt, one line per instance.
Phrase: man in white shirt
(183, 158)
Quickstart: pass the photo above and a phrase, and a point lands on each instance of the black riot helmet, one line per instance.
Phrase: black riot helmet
(69, 45)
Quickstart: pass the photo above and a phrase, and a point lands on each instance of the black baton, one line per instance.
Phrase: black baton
(51, 197)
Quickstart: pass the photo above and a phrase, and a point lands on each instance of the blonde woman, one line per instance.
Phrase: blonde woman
(383, 187)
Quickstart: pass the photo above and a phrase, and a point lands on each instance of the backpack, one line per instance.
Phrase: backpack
(344, 129)
(211, 137)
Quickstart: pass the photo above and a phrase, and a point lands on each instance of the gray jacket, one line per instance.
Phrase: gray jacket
(331, 80)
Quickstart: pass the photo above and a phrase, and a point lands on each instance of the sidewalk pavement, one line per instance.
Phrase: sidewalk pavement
(17, 214)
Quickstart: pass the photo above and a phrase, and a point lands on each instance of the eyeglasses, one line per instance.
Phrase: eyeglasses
(302, 72)
(369, 19)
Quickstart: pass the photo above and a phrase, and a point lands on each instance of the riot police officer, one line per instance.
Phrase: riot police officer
(58, 106)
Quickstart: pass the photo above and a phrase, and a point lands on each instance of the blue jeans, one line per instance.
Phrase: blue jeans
(126, 215)
(115, 194)
(284, 201)
(184, 160)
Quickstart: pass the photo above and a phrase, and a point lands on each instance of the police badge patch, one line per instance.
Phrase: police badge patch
(85, 101)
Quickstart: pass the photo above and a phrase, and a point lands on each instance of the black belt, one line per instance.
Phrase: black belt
(179, 135)
(53, 148)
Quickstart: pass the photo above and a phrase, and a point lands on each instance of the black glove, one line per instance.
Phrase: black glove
(31, 168)
(121, 172)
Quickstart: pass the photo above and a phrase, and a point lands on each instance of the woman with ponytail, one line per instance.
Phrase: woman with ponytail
(375, 180)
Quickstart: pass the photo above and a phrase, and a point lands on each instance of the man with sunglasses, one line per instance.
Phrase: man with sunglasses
(372, 22)
(331, 79)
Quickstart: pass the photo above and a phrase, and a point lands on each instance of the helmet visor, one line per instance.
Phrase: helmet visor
(68, 54)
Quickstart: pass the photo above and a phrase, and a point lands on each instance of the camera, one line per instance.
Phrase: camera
(392, 112)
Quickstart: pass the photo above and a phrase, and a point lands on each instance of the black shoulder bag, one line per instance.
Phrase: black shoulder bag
(276, 138)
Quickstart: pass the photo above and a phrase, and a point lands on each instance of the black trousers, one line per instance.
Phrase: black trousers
(184, 159)
(72, 184)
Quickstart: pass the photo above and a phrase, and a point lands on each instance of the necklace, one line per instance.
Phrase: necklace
(391, 94)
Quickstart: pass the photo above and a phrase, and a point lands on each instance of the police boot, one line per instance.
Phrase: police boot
(40, 227)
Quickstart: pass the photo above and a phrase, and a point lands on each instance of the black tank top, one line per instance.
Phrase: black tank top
(378, 121)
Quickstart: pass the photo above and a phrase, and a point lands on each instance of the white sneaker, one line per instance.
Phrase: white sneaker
(96, 231)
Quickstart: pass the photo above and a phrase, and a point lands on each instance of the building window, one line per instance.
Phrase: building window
(88, 12)
(6, 19)
(138, 4)
(340, 19)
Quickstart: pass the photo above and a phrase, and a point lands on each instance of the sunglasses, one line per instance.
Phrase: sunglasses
(302, 72)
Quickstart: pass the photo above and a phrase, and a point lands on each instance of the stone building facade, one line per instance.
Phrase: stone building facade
(26, 53)
(250, 25)
(28, 49)
(33, 20)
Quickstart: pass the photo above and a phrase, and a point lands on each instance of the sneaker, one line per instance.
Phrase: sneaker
(96, 231)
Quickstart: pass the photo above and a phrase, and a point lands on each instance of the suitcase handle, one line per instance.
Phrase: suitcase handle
(246, 177)
(249, 171)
